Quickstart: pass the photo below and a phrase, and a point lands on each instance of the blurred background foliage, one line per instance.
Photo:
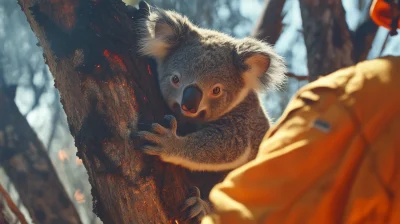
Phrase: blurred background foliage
(22, 64)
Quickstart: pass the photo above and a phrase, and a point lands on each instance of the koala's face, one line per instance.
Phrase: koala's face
(199, 79)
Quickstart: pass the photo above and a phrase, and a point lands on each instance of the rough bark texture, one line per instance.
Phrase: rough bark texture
(269, 26)
(327, 37)
(106, 90)
(29, 168)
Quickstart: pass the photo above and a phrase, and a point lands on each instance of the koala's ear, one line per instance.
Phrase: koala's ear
(161, 31)
(262, 67)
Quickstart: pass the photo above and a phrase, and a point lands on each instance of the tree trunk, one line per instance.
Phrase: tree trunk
(106, 90)
(326, 36)
(29, 168)
(364, 36)
(269, 26)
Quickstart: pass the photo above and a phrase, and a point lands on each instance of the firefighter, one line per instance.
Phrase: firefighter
(332, 157)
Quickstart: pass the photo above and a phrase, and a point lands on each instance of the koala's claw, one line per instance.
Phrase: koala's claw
(151, 150)
(148, 136)
(195, 208)
(158, 128)
(173, 124)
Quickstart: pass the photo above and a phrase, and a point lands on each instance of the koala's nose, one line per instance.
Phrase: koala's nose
(191, 99)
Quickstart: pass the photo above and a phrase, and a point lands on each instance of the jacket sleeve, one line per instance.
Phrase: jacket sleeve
(329, 159)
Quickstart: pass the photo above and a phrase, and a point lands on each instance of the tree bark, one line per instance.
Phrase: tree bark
(269, 26)
(106, 90)
(327, 37)
(29, 168)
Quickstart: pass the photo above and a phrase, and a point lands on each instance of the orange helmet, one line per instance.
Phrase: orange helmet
(386, 13)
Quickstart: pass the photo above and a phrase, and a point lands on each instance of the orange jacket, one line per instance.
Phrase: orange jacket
(333, 157)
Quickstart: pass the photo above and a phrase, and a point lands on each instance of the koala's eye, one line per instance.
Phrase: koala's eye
(216, 90)
(175, 79)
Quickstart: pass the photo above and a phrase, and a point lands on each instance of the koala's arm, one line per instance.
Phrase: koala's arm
(222, 145)
(219, 146)
(213, 148)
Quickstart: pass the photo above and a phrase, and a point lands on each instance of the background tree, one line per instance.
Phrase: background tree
(22, 67)
(26, 163)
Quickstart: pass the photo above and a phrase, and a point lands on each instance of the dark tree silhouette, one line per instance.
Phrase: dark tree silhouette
(26, 163)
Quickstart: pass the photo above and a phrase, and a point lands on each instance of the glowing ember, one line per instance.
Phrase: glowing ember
(149, 70)
(115, 59)
(79, 197)
(106, 53)
(78, 161)
(62, 155)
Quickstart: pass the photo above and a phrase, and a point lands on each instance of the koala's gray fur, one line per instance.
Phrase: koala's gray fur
(234, 124)
(229, 125)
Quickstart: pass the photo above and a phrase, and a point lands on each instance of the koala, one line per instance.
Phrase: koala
(212, 82)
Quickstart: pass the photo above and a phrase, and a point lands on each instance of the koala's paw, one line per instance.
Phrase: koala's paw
(195, 208)
(162, 141)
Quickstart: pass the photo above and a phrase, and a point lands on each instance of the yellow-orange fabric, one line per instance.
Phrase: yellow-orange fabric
(333, 157)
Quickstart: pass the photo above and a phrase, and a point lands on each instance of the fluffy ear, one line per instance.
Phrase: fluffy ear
(262, 67)
(161, 31)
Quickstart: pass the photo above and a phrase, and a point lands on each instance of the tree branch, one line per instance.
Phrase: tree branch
(363, 38)
(12, 206)
(327, 37)
(364, 35)
(298, 77)
(269, 26)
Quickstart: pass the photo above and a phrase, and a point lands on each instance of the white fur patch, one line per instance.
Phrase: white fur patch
(196, 166)
(156, 47)
(266, 68)
(155, 34)
(242, 94)
(258, 64)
